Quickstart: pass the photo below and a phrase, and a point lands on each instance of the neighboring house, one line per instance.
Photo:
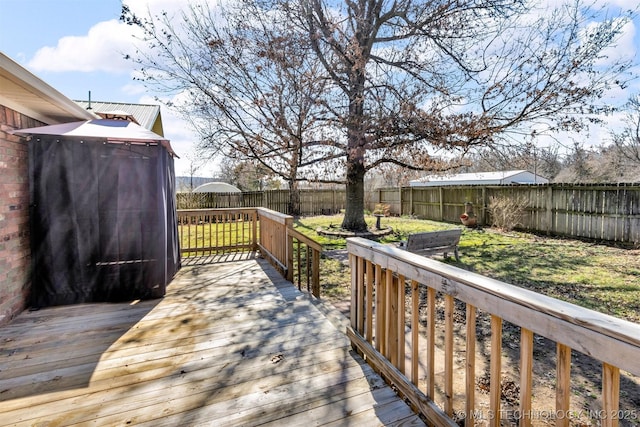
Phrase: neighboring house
(25, 101)
(146, 115)
(480, 178)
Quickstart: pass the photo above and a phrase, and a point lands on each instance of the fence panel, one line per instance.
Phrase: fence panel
(597, 212)
(312, 202)
(426, 203)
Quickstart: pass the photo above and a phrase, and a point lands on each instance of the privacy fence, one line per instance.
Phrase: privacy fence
(312, 202)
(598, 212)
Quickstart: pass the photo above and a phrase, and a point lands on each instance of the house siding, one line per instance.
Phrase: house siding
(15, 250)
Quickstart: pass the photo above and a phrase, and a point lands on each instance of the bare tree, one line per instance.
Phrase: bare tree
(195, 164)
(248, 176)
(421, 77)
(627, 141)
(543, 161)
(252, 91)
(412, 83)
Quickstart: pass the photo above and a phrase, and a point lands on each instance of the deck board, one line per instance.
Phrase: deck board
(230, 344)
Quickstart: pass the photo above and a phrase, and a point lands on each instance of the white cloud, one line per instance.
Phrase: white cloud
(104, 46)
(623, 48)
(134, 89)
(102, 49)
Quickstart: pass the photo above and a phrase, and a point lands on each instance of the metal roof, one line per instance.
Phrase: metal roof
(499, 177)
(22, 91)
(147, 115)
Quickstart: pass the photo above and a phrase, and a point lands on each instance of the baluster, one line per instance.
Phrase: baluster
(526, 369)
(496, 370)
(470, 374)
(448, 354)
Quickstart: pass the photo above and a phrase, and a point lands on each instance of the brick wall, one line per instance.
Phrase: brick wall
(15, 257)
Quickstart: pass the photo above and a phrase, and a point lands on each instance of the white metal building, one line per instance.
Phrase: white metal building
(480, 178)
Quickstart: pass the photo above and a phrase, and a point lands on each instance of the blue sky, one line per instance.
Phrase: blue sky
(77, 46)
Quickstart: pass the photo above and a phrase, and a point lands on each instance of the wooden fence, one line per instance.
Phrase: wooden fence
(312, 202)
(596, 212)
(390, 290)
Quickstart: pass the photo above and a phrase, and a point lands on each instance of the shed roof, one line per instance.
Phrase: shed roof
(147, 115)
(498, 177)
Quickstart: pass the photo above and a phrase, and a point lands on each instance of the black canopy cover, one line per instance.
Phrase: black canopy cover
(103, 219)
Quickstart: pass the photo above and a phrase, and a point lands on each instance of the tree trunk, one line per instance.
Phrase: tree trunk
(294, 198)
(354, 213)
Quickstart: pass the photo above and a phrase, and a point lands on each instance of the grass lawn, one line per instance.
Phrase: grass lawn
(599, 277)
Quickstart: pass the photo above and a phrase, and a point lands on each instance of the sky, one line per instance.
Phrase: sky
(77, 46)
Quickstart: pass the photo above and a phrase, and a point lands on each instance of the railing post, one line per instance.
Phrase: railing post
(289, 240)
(354, 291)
(254, 225)
(315, 274)
(359, 270)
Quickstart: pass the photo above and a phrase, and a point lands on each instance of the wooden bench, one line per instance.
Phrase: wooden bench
(433, 242)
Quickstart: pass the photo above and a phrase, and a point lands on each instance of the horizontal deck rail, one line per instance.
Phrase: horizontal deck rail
(207, 232)
(383, 276)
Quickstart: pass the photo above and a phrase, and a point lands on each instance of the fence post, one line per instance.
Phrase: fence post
(333, 201)
(411, 210)
(441, 194)
(485, 204)
(550, 209)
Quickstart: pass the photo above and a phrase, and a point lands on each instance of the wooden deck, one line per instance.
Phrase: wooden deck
(230, 344)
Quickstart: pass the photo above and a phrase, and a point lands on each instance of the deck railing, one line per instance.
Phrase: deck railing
(382, 277)
(272, 240)
(203, 232)
(208, 232)
(305, 262)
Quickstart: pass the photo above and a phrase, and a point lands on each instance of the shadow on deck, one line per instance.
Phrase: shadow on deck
(231, 343)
